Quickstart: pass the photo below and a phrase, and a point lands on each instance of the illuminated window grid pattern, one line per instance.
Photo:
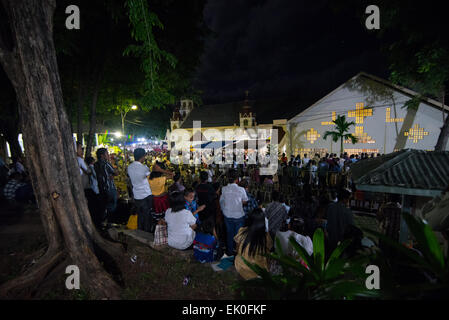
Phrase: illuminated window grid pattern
(416, 133)
(323, 151)
(358, 151)
(360, 113)
(388, 118)
(312, 135)
(362, 136)
(330, 123)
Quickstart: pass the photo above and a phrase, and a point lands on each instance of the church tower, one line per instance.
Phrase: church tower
(175, 121)
(186, 108)
(246, 115)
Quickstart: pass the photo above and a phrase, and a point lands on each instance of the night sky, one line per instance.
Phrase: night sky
(283, 48)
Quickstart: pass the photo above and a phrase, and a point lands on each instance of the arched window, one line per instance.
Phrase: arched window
(245, 122)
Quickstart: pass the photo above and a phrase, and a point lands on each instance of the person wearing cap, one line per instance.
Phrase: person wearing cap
(143, 197)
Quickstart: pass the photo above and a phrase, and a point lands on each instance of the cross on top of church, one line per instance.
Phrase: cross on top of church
(330, 123)
(416, 133)
(360, 113)
(312, 135)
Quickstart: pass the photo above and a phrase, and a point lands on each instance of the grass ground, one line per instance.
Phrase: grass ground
(154, 275)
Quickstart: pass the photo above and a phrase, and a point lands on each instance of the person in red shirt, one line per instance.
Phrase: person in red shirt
(284, 159)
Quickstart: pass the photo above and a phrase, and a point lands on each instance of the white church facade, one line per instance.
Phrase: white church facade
(383, 123)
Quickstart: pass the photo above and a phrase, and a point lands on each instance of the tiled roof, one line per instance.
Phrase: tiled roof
(409, 171)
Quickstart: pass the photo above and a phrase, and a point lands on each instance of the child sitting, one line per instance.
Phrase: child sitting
(205, 244)
(294, 229)
(191, 205)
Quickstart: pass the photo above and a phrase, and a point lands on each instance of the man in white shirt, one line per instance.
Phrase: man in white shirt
(305, 160)
(143, 198)
(232, 200)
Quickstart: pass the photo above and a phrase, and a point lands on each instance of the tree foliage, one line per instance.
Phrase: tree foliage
(155, 94)
(340, 132)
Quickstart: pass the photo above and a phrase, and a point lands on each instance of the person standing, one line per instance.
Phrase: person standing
(206, 196)
(339, 217)
(143, 198)
(105, 177)
(232, 200)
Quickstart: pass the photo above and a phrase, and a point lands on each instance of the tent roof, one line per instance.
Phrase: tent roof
(409, 172)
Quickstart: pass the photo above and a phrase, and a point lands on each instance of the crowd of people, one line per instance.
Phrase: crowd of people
(221, 210)
(15, 182)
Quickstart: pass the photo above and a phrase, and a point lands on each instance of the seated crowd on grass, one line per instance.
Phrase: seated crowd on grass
(217, 210)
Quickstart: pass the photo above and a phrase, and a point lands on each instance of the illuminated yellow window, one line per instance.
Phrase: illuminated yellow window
(312, 135)
(360, 113)
(362, 136)
(388, 118)
(416, 133)
(330, 123)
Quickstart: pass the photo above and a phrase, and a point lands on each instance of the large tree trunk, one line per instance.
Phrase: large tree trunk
(31, 66)
(443, 137)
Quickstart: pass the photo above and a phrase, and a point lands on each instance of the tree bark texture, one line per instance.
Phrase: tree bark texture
(443, 137)
(32, 68)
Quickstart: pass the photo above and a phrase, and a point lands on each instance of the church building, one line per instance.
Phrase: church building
(384, 119)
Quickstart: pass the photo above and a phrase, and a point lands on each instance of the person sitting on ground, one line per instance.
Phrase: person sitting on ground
(181, 224)
(205, 244)
(17, 190)
(294, 230)
(253, 243)
(191, 205)
(275, 213)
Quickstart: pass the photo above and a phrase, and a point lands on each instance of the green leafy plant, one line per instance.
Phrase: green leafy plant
(103, 139)
(429, 262)
(336, 278)
(155, 92)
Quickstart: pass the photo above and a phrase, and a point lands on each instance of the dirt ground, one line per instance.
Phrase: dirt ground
(154, 275)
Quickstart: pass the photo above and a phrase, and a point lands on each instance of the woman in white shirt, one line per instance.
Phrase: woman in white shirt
(180, 223)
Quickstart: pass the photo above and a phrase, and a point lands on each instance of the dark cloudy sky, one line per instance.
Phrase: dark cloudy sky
(277, 48)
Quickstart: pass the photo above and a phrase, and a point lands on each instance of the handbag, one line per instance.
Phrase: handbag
(160, 235)
(132, 222)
